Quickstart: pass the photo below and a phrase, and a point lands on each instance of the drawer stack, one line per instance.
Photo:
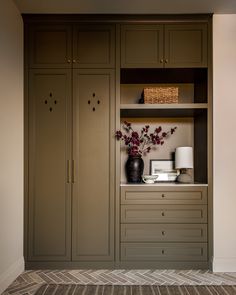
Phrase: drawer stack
(164, 223)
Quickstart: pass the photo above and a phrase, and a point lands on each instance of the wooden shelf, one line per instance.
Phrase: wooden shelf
(163, 110)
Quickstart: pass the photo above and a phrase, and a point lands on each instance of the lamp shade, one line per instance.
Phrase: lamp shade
(183, 157)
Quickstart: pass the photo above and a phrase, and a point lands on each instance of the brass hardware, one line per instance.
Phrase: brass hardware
(163, 195)
(166, 61)
(162, 214)
(68, 171)
(69, 61)
(73, 171)
(161, 60)
(163, 232)
(163, 251)
(74, 61)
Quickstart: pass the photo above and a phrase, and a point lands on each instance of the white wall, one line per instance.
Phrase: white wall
(11, 143)
(224, 101)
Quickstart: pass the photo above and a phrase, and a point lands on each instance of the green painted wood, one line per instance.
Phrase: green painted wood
(49, 236)
(163, 252)
(163, 213)
(142, 46)
(136, 194)
(93, 151)
(50, 46)
(164, 232)
(185, 45)
(94, 46)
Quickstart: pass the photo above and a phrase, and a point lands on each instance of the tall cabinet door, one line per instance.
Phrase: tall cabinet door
(94, 158)
(49, 155)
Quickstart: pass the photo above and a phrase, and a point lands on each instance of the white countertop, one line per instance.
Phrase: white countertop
(164, 184)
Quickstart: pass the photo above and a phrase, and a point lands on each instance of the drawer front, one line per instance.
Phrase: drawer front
(163, 195)
(164, 251)
(163, 214)
(164, 233)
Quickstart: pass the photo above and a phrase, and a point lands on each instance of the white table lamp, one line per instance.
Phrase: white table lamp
(184, 161)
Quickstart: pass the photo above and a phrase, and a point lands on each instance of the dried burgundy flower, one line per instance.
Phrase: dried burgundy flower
(140, 144)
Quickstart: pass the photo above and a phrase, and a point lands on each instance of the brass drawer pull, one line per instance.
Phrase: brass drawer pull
(166, 61)
(161, 60)
(69, 61)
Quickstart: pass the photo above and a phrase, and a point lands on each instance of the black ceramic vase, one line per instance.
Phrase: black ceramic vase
(134, 169)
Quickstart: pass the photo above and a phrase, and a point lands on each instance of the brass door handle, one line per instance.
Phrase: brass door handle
(73, 171)
(68, 171)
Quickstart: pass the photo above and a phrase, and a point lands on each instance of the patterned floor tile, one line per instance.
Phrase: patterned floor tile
(28, 282)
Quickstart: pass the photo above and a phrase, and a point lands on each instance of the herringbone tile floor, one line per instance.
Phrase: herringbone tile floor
(30, 281)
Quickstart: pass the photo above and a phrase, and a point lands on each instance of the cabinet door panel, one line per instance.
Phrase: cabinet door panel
(186, 45)
(93, 190)
(141, 46)
(50, 46)
(49, 151)
(94, 46)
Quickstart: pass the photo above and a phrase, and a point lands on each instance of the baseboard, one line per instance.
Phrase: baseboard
(11, 274)
(224, 264)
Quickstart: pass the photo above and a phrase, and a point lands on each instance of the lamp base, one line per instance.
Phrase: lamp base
(184, 177)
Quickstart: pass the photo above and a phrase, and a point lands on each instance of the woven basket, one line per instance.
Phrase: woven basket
(161, 95)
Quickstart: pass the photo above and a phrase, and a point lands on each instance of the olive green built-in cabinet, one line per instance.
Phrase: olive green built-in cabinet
(84, 76)
(71, 144)
(169, 46)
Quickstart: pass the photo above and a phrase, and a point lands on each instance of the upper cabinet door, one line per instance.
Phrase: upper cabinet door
(50, 46)
(185, 45)
(94, 46)
(142, 46)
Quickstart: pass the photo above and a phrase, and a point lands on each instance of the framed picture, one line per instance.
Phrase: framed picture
(164, 169)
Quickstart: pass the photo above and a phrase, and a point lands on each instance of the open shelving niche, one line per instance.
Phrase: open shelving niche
(189, 115)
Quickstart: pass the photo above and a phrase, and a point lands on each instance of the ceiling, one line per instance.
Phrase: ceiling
(127, 6)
